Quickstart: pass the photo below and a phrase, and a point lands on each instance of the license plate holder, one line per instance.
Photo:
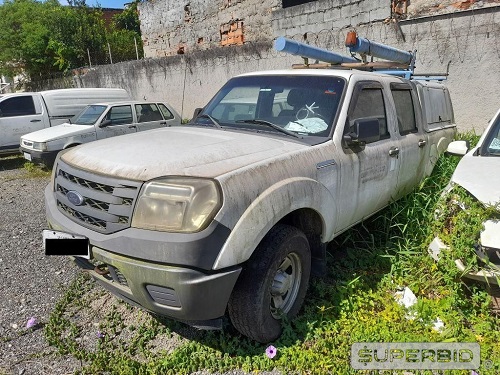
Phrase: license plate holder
(62, 243)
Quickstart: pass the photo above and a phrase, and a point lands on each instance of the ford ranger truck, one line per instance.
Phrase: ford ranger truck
(232, 212)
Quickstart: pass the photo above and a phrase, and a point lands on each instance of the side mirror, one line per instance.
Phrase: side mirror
(363, 131)
(197, 112)
(458, 148)
(104, 123)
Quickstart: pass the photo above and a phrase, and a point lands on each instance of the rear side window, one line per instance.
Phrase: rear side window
(405, 111)
(17, 106)
(369, 104)
(147, 112)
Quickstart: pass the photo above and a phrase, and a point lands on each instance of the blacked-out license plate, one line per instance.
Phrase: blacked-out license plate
(61, 243)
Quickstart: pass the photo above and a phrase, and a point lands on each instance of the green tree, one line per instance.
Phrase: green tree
(40, 38)
(125, 34)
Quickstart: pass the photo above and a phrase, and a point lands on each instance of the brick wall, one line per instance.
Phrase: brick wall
(166, 26)
(173, 27)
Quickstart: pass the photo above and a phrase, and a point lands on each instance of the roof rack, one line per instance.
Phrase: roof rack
(399, 63)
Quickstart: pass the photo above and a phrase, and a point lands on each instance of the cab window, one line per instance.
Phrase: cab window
(405, 110)
(17, 106)
(369, 105)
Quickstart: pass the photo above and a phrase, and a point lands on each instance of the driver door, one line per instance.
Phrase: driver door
(117, 121)
(369, 174)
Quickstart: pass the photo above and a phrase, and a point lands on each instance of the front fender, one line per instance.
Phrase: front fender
(268, 209)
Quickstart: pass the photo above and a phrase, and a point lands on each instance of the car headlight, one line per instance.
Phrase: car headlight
(40, 146)
(177, 204)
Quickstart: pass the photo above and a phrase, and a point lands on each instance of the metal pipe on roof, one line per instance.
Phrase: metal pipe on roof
(300, 49)
(367, 47)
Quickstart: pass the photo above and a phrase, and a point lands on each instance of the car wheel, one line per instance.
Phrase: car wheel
(273, 284)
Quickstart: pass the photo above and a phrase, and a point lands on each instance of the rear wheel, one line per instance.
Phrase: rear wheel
(273, 284)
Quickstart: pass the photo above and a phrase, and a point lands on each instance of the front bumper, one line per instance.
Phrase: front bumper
(183, 294)
(166, 273)
(40, 157)
(490, 275)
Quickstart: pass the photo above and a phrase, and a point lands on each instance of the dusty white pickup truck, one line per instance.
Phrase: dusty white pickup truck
(233, 211)
(97, 121)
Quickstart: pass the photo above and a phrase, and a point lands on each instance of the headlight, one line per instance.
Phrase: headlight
(177, 204)
(40, 146)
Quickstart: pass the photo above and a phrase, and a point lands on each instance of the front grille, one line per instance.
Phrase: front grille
(101, 224)
(104, 204)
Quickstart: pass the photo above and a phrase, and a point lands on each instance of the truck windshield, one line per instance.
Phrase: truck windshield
(302, 105)
(89, 115)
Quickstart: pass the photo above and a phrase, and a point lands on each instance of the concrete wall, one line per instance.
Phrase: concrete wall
(466, 43)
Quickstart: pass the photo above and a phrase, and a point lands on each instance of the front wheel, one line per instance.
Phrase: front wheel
(273, 284)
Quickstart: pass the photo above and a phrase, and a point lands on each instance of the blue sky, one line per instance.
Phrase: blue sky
(103, 3)
(118, 4)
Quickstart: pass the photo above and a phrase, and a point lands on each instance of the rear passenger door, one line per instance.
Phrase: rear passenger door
(369, 173)
(117, 121)
(412, 139)
(148, 116)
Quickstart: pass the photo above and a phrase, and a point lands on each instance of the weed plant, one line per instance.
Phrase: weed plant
(354, 303)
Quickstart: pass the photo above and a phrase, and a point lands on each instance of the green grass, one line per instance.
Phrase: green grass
(353, 303)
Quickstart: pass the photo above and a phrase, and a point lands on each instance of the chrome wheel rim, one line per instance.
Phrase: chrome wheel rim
(285, 285)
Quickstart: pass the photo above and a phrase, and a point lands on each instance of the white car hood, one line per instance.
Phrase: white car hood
(177, 151)
(57, 132)
(480, 176)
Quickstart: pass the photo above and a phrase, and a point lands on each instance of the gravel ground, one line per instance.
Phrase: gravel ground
(31, 282)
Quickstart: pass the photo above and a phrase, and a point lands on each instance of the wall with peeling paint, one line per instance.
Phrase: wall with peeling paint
(175, 27)
(465, 42)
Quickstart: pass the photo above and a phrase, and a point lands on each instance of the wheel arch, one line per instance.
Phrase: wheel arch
(72, 144)
(301, 202)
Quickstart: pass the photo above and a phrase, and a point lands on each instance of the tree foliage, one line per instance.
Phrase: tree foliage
(40, 38)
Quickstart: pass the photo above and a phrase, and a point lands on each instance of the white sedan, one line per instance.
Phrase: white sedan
(479, 174)
(94, 122)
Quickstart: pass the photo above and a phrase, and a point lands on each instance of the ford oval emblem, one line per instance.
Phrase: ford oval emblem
(75, 197)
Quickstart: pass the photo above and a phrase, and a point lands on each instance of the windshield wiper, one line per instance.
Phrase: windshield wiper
(274, 126)
(214, 121)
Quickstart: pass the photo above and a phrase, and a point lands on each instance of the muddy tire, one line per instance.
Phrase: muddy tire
(273, 283)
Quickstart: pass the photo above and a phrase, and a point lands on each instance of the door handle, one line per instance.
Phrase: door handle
(34, 120)
(394, 151)
(421, 143)
(163, 123)
(132, 127)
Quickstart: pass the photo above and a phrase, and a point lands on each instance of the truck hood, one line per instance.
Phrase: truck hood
(480, 176)
(177, 151)
(57, 132)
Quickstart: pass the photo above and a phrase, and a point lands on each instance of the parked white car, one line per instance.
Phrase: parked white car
(26, 112)
(97, 121)
(479, 174)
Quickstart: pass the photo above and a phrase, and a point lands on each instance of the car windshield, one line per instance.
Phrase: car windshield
(290, 105)
(491, 145)
(89, 115)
